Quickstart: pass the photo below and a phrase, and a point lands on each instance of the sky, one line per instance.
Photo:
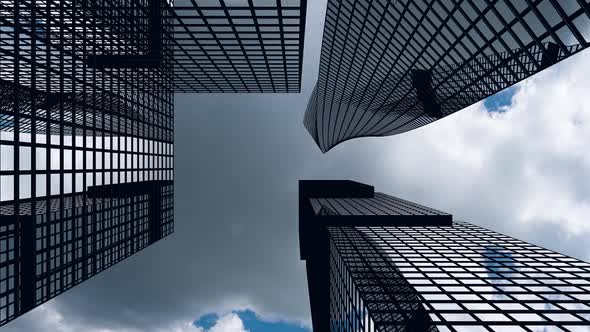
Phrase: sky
(514, 164)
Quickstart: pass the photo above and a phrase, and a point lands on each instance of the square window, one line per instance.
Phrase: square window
(89, 180)
(68, 140)
(89, 160)
(54, 184)
(41, 185)
(79, 182)
(68, 159)
(67, 185)
(79, 160)
(40, 158)
(24, 158)
(6, 187)
(55, 159)
(98, 160)
(7, 135)
(24, 186)
(6, 157)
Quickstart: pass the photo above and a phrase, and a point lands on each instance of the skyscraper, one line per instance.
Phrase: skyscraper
(86, 142)
(238, 45)
(380, 263)
(87, 123)
(388, 67)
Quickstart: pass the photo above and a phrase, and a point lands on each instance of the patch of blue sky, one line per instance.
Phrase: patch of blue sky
(206, 321)
(501, 101)
(252, 323)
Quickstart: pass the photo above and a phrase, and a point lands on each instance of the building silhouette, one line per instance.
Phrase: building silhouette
(379, 263)
(87, 124)
(387, 67)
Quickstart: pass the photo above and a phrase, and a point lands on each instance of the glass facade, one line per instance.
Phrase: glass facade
(463, 277)
(87, 122)
(238, 46)
(65, 243)
(69, 118)
(394, 272)
(86, 141)
(387, 67)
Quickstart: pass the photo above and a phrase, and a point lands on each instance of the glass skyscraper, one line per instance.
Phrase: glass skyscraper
(380, 263)
(87, 122)
(387, 67)
(238, 45)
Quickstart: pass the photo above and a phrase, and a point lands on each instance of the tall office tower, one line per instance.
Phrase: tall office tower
(86, 141)
(388, 67)
(238, 45)
(87, 124)
(378, 263)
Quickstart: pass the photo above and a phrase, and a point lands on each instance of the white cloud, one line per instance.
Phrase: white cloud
(48, 318)
(228, 323)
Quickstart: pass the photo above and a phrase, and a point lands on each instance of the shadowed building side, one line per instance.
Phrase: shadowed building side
(387, 67)
(67, 242)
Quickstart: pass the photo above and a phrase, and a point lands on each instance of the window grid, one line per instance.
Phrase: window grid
(238, 46)
(385, 300)
(374, 52)
(8, 266)
(466, 278)
(347, 310)
(71, 122)
(67, 254)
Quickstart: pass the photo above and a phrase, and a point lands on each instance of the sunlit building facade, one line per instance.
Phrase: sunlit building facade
(379, 263)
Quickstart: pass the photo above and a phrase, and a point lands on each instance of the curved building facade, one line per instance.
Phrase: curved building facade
(388, 67)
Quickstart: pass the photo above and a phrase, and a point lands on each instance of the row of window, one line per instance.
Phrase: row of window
(53, 184)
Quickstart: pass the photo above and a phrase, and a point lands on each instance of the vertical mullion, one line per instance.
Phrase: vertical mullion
(62, 93)
(85, 102)
(16, 158)
(33, 153)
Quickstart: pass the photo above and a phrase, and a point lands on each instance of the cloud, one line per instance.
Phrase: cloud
(48, 318)
(229, 322)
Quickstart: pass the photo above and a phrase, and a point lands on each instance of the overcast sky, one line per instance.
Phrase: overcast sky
(521, 172)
